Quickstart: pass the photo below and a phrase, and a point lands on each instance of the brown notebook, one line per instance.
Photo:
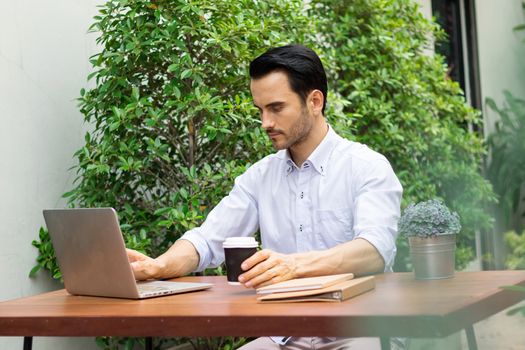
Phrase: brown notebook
(307, 283)
(337, 292)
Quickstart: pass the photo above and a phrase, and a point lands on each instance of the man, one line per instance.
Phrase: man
(323, 205)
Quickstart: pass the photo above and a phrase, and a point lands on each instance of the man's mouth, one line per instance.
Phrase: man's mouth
(273, 133)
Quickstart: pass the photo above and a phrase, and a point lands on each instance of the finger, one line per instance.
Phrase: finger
(133, 255)
(260, 273)
(270, 276)
(258, 269)
(255, 259)
(138, 271)
(145, 269)
(279, 273)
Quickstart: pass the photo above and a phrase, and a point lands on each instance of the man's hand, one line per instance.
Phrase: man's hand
(267, 267)
(143, 266)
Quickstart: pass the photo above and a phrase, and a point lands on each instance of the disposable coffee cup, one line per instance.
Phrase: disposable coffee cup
(236, 250)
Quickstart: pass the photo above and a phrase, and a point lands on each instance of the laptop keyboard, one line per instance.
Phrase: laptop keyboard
(150, 288)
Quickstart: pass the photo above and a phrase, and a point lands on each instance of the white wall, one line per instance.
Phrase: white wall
(426, 8)
(44, 51)
(501, 52)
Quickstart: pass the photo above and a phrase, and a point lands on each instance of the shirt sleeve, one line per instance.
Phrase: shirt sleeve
(235, 215)
(377, 207)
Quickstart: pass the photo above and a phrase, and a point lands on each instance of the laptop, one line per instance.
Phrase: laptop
(92, 257)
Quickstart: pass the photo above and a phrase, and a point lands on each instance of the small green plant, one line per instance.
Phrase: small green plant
(46, 256)
(427, 219)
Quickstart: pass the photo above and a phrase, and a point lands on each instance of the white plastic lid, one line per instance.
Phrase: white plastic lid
(240, 242)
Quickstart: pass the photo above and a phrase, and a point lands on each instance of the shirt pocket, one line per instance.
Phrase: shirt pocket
(333, 226)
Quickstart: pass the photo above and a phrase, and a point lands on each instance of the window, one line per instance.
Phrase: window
(457, 18)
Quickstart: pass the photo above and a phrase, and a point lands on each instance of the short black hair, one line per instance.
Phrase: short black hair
(302, 66)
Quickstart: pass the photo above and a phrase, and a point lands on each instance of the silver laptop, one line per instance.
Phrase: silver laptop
(92, 256)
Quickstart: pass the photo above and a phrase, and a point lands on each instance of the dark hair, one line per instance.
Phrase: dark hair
(302, 66)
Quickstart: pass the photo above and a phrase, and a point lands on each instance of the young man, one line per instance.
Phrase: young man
(323, 205)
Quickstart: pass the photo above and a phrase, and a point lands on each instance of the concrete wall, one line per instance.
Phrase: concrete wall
(501, 52)
(44, 51)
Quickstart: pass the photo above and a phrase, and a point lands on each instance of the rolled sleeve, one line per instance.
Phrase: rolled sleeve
(385, 244)
(199, 242)
(377, 209)
(235, 215)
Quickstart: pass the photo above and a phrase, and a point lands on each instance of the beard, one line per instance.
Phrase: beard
(298, 132)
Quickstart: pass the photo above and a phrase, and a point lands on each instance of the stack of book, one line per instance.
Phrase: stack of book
(324, 288)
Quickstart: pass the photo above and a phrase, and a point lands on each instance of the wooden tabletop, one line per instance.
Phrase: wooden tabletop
(398, 306)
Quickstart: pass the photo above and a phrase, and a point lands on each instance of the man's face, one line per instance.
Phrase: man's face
(284, 116)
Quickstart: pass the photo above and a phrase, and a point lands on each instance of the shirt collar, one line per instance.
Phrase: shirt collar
(321, 154)
(319, 157)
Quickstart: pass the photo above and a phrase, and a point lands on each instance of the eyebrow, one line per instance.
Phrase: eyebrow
(272, 104)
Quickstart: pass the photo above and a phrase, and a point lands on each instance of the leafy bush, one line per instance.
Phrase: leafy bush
(429, 218)
(173, 119)
(397, 99)
(516, 244)
(515, 261)
(506, 169)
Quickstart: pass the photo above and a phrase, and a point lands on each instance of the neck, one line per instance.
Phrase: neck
(301, 151)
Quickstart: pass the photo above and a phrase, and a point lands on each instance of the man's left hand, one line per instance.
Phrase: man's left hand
(267, 267)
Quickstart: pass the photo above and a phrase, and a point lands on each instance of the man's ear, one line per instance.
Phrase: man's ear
(316, 101)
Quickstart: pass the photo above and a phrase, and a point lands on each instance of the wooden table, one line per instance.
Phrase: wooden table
(398, 306)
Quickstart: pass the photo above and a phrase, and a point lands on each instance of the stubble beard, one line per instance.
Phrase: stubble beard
(298, 132)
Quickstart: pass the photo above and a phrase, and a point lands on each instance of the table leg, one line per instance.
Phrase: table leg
(471, 338)
(385, 343)
(149, 343)
(28, 343)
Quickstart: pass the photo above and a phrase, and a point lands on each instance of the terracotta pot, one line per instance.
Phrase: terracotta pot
(433, 257)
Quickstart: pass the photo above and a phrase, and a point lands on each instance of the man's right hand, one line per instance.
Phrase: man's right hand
(143, 266)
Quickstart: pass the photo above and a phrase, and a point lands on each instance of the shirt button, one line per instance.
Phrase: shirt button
(302, 195)
(301, 228)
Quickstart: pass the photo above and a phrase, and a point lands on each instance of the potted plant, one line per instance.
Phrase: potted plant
(431, 229)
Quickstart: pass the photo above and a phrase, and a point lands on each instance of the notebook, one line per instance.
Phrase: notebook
(336, 292)
(92, 257)
(305, 283)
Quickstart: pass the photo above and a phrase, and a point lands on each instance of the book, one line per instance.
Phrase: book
(337, 292)
(307, 283)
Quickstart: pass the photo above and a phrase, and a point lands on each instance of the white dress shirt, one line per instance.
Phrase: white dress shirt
(343, 191)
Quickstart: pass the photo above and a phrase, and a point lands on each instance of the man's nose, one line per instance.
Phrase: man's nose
(267, 122)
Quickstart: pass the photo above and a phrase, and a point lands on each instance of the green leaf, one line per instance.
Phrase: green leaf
(519, 27)
(165, 223)
(162, 211)
(34, 270)
(176, 91)
(186, 74)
